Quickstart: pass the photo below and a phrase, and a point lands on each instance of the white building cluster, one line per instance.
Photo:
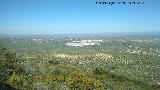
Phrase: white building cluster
(82, 43)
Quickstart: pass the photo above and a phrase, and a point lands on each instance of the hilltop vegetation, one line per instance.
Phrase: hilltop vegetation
(46, 63)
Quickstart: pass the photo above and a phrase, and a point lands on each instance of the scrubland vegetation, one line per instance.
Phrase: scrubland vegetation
(45, 62)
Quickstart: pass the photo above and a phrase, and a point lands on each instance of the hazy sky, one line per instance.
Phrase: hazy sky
(77, 16)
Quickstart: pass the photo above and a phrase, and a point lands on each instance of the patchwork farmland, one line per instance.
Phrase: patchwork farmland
(81, 62)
